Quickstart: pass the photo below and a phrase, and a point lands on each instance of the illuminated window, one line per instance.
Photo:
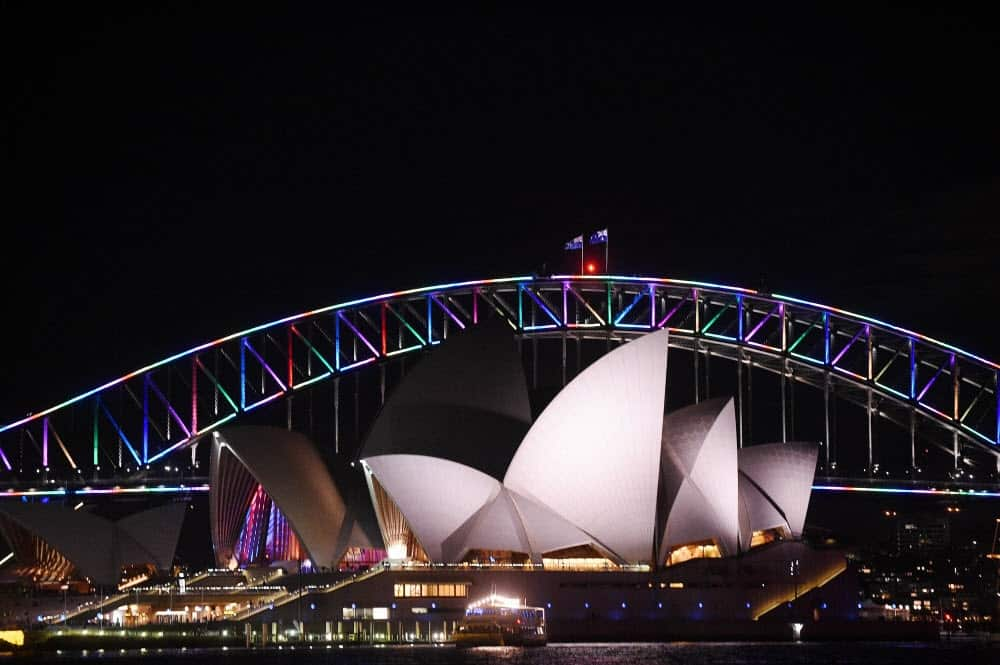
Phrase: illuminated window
(766, 536)
(583, 557)
(448, 590)
(702, 550)
(496, 558)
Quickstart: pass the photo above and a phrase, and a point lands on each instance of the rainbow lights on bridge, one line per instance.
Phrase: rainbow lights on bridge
(144, 416)
(100, 491)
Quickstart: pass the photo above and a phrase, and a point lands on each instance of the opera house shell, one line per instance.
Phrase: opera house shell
(621, 521)
(273, 500)
(460, 472)
(54, 543)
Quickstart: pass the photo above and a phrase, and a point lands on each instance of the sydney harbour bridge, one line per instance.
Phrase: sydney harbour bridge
(894, 410)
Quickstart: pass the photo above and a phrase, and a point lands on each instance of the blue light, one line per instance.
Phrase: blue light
(748, 605)
(660, 605)
(353, 606)
(789, 604)
(394, 606)
(434, 606)
(312, 606)
(700, 605)
(623, 604)
(859, 606)
(548, 605)
(587, 605)
(823, 606)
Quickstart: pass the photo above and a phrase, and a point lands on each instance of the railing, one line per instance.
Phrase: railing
(290, 596)
(86, 608)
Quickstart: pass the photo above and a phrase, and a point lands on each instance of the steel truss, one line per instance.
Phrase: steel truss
(926, 386)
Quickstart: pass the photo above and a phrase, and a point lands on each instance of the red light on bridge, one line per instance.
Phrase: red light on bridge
(591, 267)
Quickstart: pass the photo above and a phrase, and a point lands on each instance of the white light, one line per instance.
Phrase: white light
(397, 551)
(494, 599)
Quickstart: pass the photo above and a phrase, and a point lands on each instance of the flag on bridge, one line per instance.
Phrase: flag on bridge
(575, 243)
(599, 236)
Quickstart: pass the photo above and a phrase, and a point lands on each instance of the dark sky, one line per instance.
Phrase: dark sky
(178, 175)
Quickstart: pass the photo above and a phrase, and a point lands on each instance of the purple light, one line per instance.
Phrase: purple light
(170, 409)
(930, 383)
(847, 346)
(262, 402)
(45, 441)
(761, 323)
(340, 315)
(440, 303)
(543, 306)
(267, 367)
(670, 314)
(907, 490)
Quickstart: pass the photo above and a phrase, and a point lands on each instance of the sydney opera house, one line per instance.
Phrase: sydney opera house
(599, 508)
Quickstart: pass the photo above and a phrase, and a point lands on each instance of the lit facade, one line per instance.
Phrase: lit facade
(600, 480)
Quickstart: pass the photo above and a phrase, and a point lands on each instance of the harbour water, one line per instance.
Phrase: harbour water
(701, 653)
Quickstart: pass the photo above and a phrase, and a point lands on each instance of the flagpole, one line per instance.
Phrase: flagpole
(581, 257)
(607, 244)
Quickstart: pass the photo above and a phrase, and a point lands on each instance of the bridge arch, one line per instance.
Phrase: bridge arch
(930, 388)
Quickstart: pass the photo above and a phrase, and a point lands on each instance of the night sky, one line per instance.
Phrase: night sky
(175, 176)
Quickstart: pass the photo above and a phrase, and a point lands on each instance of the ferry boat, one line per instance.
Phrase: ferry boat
(500, 621)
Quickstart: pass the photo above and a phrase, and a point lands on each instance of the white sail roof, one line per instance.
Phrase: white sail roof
(97, 546)
(495, 526)
(592, 457)
(699, 496)
(436, 496)
(547, 531)
(155, 532)
(467, 402)
(601, 466)
(776, 483)
(296, 478)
